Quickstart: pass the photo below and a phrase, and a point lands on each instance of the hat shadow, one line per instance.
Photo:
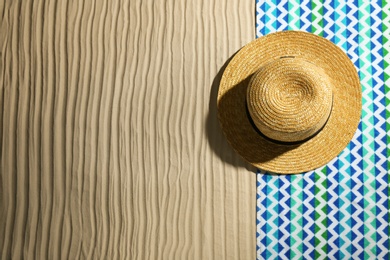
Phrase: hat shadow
(216, 137)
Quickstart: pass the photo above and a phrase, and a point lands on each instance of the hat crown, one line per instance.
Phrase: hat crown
(289, 99)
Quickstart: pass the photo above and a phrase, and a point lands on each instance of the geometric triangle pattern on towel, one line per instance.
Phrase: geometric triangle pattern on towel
(342, 210)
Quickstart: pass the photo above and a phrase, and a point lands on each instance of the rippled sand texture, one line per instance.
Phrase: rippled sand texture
(110, 145)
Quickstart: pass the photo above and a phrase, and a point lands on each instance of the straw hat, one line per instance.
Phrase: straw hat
(289, 102)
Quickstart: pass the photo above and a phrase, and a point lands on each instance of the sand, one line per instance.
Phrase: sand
(110, 144)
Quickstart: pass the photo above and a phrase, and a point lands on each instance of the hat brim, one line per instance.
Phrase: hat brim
(282, 158)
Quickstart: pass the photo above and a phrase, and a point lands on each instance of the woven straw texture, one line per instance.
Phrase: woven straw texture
(289, 99)
(341, 210)
(296, 49)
